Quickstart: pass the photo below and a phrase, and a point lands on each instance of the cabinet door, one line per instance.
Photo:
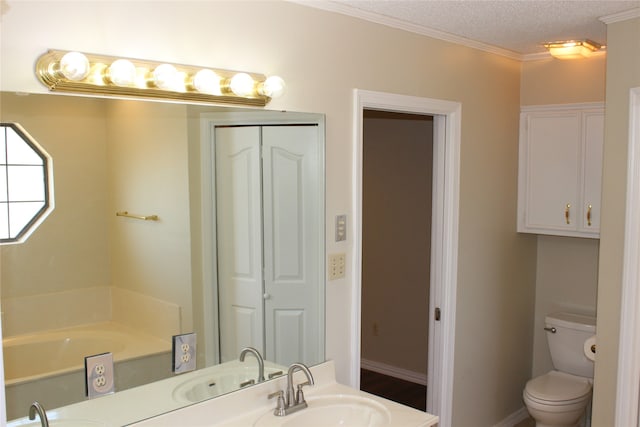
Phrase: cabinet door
(550, 172)
(593, 137)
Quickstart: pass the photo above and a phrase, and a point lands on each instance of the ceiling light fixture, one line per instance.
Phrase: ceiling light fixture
(77, 72)
(572, 49)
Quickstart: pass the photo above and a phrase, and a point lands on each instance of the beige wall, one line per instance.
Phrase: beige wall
(104, 162)
(323, 56)
(73, 133)
(555, 81)
(567, 268)
(566, 280)
(623, 73)
(148, 175)
(396, 230)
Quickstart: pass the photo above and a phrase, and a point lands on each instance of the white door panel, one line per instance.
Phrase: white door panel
(289, 336)
(269, 211)
(239, 231)
(291, 216)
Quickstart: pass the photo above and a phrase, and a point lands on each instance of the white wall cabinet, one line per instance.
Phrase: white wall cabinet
(560, 169)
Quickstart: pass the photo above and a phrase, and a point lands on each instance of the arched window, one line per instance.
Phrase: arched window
(26, 187)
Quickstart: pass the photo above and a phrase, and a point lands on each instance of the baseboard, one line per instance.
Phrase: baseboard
(393, 371)
(513, 419)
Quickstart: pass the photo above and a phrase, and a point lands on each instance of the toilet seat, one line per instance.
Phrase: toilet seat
(557, 388)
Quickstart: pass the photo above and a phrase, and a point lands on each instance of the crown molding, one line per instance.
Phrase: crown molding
(536, 56)
(401, 25)
(621, 16)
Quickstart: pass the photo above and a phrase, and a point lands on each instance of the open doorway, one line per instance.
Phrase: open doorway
(447, 119)
(396, 254)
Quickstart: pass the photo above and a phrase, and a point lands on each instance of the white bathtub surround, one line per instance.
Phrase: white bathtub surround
(46, 340)
(24, 315)
(246, 407)
(145, 313)
(33, 373)
(146, 401)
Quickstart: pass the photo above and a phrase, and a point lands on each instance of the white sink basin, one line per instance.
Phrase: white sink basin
(60, 423)
(332, 410)
(206, 386)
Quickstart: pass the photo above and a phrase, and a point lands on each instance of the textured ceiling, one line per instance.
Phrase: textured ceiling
(520, 26)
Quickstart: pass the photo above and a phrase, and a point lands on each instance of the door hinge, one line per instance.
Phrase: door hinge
(437, 314)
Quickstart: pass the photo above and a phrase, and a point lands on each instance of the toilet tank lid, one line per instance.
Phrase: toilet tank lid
(572, 321)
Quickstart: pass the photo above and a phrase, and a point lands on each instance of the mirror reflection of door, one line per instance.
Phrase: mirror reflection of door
(268, 264)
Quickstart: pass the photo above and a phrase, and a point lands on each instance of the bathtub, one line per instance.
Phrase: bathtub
(49, 366)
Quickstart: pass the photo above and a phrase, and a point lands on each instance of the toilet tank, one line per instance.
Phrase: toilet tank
(567, 343)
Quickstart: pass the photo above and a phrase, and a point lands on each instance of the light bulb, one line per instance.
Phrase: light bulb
(242, 84)
(207, 81)
(273, 87)
(165, 76)
(122, 72)
(74, 66)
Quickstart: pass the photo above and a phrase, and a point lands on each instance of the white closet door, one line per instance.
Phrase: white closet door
(239, 231)
(292, 216)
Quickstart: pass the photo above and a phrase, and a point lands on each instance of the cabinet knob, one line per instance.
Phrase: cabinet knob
(567, 213)
(589, 215)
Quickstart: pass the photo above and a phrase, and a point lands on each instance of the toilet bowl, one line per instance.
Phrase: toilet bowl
(557, 399)
(560, 397)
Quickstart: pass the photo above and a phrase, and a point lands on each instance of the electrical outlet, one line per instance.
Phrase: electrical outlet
(99, 375)
(337, 266)
(184, 353)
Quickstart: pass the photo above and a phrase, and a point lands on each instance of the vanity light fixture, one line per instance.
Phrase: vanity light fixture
(573, 49)
(68, 71)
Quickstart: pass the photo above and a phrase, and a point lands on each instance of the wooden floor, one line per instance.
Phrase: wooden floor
(401, 391)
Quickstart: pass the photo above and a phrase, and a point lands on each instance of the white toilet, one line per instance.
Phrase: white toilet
(559, 398)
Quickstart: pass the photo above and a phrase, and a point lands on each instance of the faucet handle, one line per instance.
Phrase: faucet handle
(280, 406)
(300, 394)
(278, 393)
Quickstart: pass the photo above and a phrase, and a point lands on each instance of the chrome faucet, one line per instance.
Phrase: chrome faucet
(256, 354)
(37, 408)
(294, 400)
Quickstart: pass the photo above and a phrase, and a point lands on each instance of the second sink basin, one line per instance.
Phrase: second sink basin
(332, 410)
(211, 385)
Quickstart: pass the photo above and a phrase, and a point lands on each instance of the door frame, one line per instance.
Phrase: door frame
(444, 240)
(209, 268)
(628, 392)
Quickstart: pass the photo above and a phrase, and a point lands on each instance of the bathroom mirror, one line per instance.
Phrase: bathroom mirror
(130, 255)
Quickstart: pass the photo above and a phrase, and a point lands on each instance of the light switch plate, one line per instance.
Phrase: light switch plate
(99, 375)
(184, 353)
(341, 228)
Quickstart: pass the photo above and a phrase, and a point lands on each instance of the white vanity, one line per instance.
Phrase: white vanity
(329, 404)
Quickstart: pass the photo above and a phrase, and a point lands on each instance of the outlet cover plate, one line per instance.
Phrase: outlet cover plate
(184, 353)
(99, 375)
(337, 266)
